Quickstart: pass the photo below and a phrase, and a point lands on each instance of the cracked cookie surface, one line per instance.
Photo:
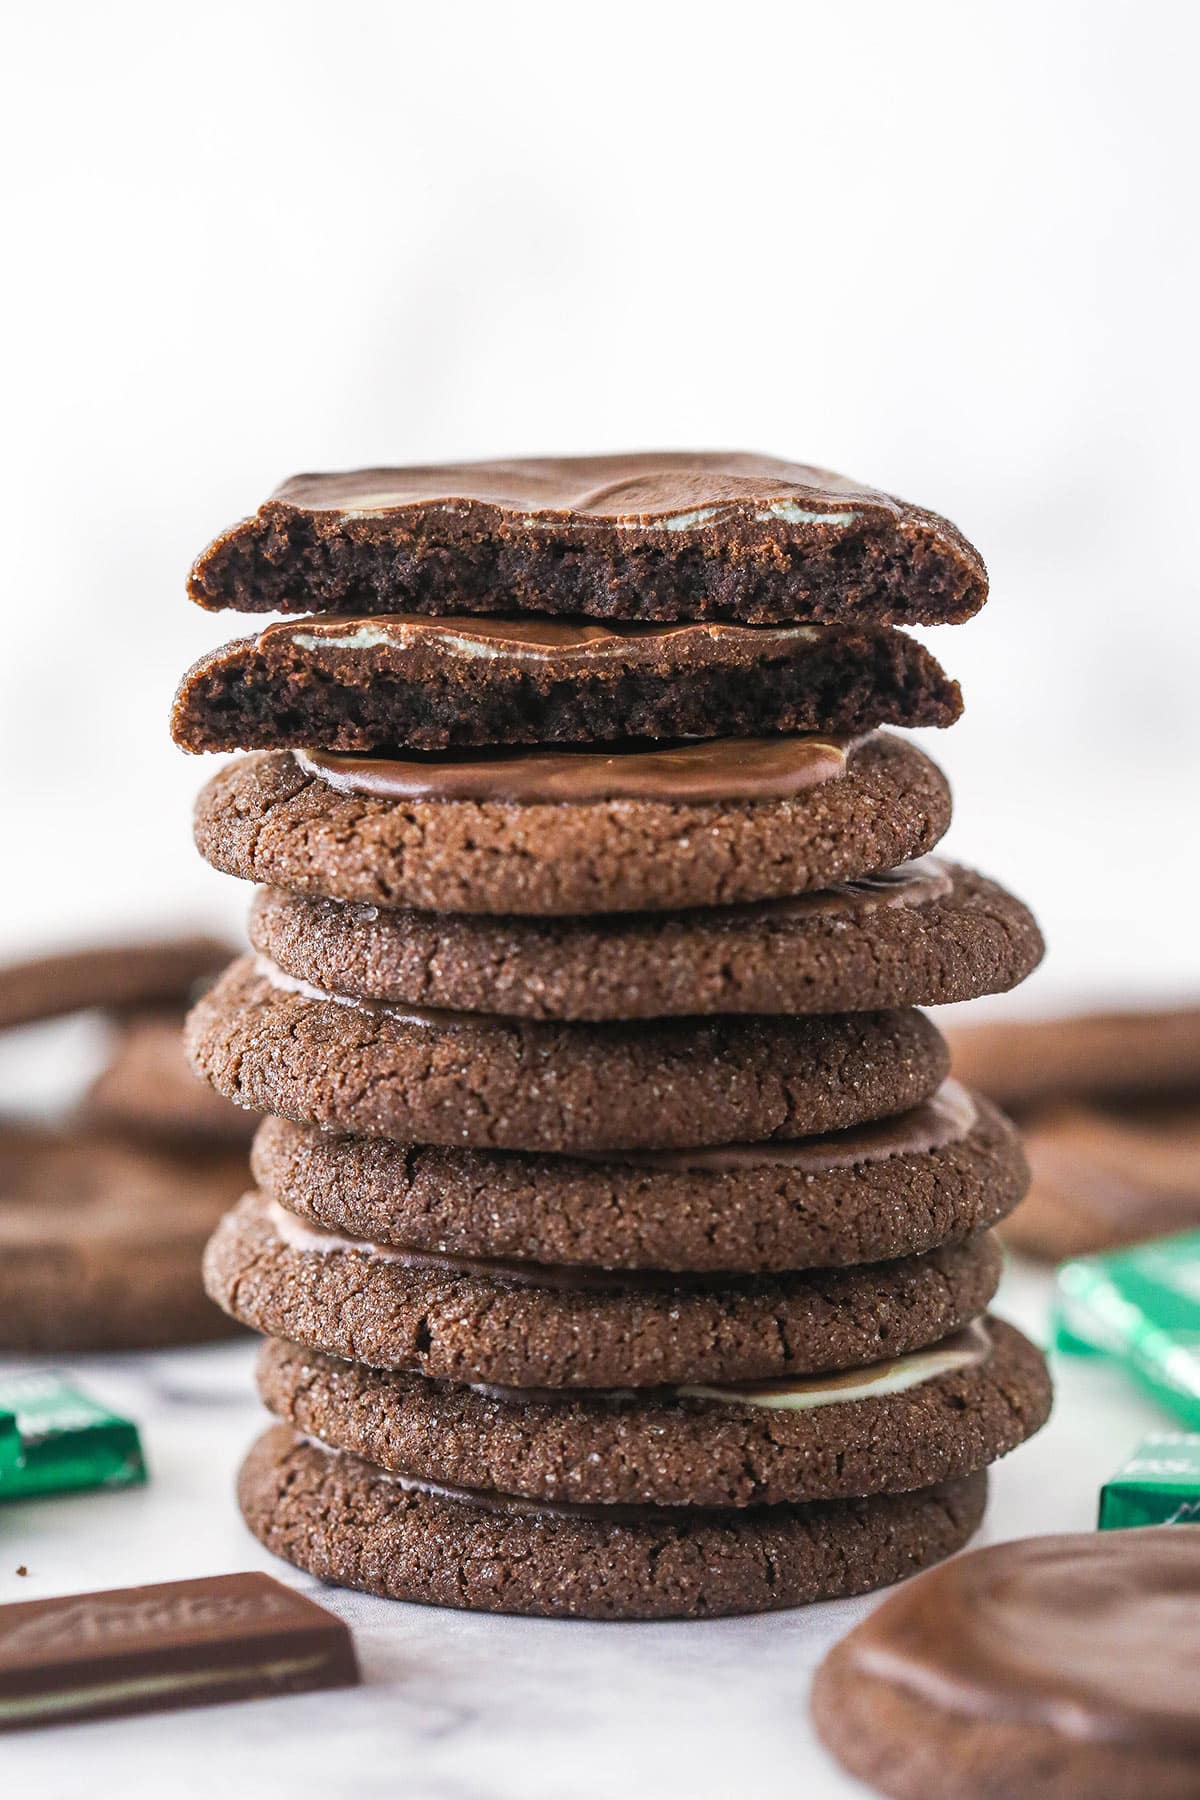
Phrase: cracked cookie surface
(752, 1213)
(347, 1522)
(468, 1079)
(579, 1328)
(940, 934)
(663, 1448)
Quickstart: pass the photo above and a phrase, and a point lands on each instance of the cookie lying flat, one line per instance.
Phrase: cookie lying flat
(656, 535)
(1059, 1667)
(116, 976)
(347, 1522)
(101, 1241)
(459, 1078)
(526, 1325)
(265, 818)
(147, 1088)
(1090, 1056)
(425, 684)
(921, 935)
(933, 1415)
(1103, 1179)
(933, 1175)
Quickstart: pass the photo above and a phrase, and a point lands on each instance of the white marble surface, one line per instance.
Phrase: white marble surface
(457, 1707)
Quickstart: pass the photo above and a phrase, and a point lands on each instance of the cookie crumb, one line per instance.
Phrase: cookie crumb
(21, 1569)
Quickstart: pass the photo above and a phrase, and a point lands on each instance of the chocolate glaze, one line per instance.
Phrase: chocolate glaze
(649, 535)
(530, 639)
(676, 491)
(704, 772)
(1096, 1637)
(945, 1118)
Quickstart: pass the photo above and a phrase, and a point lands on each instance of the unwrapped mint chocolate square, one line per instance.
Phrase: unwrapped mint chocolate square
(180, 1643)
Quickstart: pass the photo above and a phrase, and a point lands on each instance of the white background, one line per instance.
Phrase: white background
(948, 249)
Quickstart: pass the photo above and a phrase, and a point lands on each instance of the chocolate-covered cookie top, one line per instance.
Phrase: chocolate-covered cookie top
(1047, 1630)
(650, 535)
(425, 684)
(1108, 1176)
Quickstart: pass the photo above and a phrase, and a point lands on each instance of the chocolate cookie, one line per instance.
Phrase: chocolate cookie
(461, 1078)
(527, 1325)
(921, 935)
(1061, 1667)
(656, 535)
(426, 684)
(1091, 1056)
(347, 1522)
(933, 1415)
(147, 1088)
(266, 818)
(101, 1241)
(936, 1174)
(115, 976)
(1103, 1179)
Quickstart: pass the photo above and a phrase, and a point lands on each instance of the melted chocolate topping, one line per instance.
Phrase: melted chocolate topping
(701, 772)
(530, 639)
(1096, 1637)
(665, 490)
(516, 1505)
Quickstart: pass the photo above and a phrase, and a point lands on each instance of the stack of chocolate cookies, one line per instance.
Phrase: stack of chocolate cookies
(623, 1250)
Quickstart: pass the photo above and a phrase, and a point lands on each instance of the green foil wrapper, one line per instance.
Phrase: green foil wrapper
(1159, 1485)
(10, 1443)
(59, 1439)
(1141, 1307)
